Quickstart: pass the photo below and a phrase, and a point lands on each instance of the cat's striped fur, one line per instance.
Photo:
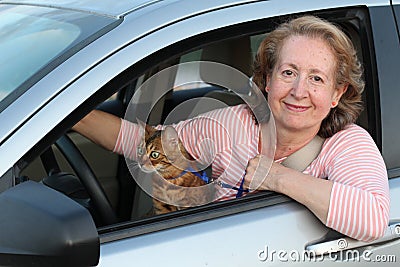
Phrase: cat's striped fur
(163, 153)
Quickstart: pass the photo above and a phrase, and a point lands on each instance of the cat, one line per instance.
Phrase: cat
(175, 165)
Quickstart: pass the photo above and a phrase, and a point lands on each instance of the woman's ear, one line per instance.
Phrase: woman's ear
(267, 83)
(339, 93)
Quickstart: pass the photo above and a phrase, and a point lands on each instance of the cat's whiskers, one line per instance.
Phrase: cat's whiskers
(133, 165)
(136, 166)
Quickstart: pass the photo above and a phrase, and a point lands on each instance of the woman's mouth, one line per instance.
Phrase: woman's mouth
(296, 108)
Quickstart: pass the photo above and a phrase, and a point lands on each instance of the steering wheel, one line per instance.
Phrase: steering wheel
(87, 177)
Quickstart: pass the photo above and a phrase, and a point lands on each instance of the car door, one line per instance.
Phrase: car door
(266, 228)
(261, 229)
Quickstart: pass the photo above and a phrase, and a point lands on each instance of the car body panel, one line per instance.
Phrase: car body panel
(241, 239)
(236, 239)
(122, 8)
(385, 39)
(102, 8)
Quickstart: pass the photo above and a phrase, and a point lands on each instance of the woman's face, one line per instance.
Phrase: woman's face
(301, 89)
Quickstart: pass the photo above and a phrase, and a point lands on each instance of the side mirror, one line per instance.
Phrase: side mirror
(41, 227)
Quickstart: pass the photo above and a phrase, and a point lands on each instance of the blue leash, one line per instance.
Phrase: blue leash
(203, 176)
(239, 189)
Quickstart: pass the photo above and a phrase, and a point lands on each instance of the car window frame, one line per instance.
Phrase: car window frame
(255, 201)
(115, 232)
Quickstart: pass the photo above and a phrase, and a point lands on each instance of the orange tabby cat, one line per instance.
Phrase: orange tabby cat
(171, 161)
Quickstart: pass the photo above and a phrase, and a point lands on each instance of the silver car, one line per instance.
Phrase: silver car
(65, 201)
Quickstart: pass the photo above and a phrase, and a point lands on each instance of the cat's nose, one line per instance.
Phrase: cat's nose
(145, 160)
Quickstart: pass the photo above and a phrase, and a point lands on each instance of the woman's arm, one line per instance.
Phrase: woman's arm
(100, 127)
(305, 189)
(355, 198)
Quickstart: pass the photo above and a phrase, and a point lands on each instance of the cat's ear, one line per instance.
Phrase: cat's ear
(170, 137)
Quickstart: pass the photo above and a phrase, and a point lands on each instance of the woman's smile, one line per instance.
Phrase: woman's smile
(296, 108)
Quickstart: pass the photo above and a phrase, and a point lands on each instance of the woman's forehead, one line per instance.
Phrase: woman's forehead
(307, 52)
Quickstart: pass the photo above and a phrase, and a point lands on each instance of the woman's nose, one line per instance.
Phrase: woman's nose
(300, 88)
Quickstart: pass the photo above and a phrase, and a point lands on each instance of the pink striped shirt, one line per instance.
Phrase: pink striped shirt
(228, 138)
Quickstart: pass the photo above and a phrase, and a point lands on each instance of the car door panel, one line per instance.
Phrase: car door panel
(232, 240)
(273, 235)
(253, 234)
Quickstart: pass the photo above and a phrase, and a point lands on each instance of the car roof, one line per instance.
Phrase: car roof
(105, 7)
(113, 8)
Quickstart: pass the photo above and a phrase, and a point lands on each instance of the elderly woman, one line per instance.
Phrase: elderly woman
(312, 77)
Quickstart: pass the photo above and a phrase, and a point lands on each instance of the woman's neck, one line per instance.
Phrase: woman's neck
(289, 142)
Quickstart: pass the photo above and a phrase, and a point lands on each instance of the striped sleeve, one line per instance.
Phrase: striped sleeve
(359, 201)
(226, 138)
(128, 139)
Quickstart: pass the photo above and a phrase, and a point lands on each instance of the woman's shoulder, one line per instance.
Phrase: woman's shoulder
(227, 115)
(352, 144)
(221, 120)
(351, 133)
(240, 110)
(352, 137)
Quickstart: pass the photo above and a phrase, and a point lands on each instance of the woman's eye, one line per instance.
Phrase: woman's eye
(316, 79)
(154, 154)
(287, 73)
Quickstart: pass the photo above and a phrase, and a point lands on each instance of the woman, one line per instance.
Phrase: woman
(312, 76)
(313, 79)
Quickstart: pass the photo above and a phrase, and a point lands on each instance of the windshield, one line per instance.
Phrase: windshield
(34, 40)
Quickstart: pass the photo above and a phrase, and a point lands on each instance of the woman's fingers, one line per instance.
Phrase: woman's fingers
(257, 173)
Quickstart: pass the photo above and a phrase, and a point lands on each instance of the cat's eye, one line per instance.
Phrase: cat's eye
(154, 154)
(140, 151)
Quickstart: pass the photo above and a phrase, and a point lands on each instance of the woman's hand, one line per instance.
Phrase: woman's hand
(261, 174)
(265, 174)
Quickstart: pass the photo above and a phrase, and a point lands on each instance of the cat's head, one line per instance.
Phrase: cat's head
(161, 150)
